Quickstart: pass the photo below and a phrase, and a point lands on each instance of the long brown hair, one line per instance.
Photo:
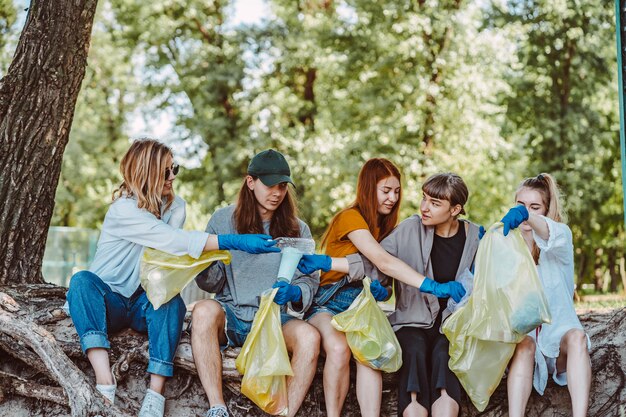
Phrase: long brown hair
(284, 221)
(366, 201)
(546, 186)
(143, 172)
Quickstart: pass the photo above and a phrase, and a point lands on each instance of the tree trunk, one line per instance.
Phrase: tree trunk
(598, 271)
(613, 270)
(30, 374)
(37, 100)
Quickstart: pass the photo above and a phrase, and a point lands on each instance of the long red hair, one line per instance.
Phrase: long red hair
(366, 201)
(247, 218)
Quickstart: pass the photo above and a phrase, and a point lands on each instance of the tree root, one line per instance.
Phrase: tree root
(14, 384)
(83, 399)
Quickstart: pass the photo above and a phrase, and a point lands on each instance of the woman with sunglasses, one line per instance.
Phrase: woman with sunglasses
(561, 348)
(108, 298)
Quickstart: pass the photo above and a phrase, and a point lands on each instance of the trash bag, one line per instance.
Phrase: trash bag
(163, 276)
(369, 334)
(263, 360)
(467, 280)
(506, 303)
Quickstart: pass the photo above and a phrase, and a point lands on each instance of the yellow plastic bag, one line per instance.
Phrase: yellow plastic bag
(263, 360)
(507, 302)
(369, 334)
(163, 276)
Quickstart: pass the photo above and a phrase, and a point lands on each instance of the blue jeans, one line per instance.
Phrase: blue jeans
(97, 310)
(333, 299)
(237, 330)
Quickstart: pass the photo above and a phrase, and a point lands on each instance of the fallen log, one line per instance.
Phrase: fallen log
(44, 372)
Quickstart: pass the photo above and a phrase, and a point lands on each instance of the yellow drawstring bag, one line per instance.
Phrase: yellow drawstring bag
(163, 276)
(507, 302)
(263, 360)
(369, 334)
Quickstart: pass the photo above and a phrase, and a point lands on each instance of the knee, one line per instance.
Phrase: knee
(207, 315)
(307, 340)
(576, 339)
(338, 352)
(526, 347)
(175, 306)
(82, 282)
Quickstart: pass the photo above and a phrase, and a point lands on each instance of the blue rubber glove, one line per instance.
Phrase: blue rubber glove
(311, 263)
(287, 292)
(379, 292)
(516, 216)
(247, 243)
(481, 232)
(443, 289)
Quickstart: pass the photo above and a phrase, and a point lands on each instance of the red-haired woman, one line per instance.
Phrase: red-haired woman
(107, 298)
(355, 231)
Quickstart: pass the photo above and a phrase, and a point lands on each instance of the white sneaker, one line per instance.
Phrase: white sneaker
(217, 411)
(153, 405)
(108, 390)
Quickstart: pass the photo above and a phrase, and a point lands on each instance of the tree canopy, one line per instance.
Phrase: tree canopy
(495, 91)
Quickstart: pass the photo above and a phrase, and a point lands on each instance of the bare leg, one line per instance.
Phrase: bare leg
(415, 409)
(574, 358)
(369, 390)
(303, 343)
(337, 365)
(445, 406)
(99, 359)
(207, 331)
(520, 379)
(157, 383)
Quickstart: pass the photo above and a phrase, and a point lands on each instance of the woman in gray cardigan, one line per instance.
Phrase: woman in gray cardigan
(440, 245)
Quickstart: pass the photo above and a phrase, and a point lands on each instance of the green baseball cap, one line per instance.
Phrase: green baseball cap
(271, 167)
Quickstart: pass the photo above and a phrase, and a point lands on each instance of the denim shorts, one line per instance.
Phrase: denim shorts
(337, 303)
(237, 330)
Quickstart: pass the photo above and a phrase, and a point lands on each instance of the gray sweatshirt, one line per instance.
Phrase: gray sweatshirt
(241, 283)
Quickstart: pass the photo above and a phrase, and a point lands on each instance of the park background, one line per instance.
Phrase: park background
(493, 90)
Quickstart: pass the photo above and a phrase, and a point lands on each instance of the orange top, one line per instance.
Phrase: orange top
(338, 245)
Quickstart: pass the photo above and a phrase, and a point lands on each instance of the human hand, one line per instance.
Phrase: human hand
(379, 292)
(443, 289)
(251, 243)
(311, 263)
(286, 293)
(515, 216)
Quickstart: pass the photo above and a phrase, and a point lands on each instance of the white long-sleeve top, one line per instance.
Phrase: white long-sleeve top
(556, 272)
(127, 230)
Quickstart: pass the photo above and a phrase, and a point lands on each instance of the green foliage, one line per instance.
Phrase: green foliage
(563, 110)
(493, 91)
(8, 16)
(98, 139)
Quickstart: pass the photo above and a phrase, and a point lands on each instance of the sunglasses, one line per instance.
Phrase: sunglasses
(174, 170)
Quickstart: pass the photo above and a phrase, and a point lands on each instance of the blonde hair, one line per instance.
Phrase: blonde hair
(143, 170)
(546, 186)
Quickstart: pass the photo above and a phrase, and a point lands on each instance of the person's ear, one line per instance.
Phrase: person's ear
(250, 182)
(456, 210)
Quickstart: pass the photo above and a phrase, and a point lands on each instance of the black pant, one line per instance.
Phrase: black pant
(425, 367)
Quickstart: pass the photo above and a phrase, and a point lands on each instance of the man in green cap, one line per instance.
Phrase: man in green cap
(266, 205)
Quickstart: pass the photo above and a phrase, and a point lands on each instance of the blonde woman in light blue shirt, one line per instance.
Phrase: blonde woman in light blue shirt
(108, 298)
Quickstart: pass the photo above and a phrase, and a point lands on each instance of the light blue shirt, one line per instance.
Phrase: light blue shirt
(127, 230)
